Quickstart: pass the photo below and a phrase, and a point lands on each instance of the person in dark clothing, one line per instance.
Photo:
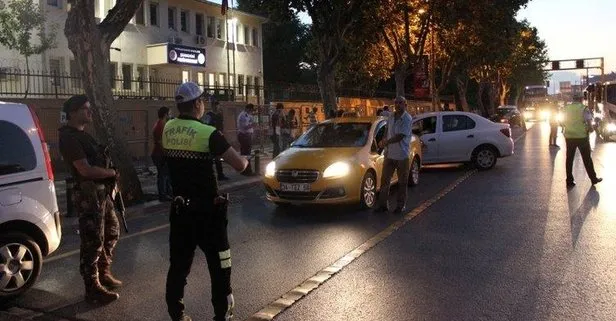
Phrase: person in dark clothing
(162, 177)
(214, 118)
(99, 228)
(198, 215)
(276, 127)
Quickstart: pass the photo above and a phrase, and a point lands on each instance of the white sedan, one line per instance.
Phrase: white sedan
(456, 137)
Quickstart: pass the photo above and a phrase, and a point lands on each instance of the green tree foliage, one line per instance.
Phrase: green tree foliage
(19, 19)
(285, 39)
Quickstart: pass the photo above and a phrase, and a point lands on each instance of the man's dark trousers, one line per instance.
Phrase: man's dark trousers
(207, 229)
(583, 144)
(163, 182)
(275, 145)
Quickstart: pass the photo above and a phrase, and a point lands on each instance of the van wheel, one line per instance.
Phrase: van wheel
(414, 172)
(20, 264)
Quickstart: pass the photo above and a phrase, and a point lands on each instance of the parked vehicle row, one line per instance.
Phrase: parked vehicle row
(338, 161)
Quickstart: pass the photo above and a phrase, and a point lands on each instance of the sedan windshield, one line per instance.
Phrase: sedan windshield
(335, 135)
(504, 111)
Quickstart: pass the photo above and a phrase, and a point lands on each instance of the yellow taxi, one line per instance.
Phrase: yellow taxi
(336, 161)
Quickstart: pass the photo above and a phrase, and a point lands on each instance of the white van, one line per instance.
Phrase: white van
(29, 216)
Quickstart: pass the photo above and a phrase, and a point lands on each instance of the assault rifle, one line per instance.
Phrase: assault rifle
(115, 192)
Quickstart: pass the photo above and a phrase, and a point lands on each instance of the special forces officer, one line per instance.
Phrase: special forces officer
(198, 212)
(98, 224)
(577, 125)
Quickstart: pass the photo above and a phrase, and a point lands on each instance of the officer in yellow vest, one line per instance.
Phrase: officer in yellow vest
(198, 213)
(577, 126)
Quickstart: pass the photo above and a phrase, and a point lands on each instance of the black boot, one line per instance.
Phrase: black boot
(97, 294)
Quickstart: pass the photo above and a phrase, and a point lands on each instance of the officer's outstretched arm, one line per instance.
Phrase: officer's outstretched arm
(234, 159)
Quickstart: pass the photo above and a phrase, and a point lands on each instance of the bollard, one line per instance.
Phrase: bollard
(257, 166)
(70, 185)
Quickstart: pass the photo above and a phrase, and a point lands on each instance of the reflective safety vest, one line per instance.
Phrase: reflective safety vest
(575, 125)
(186, 146)
(187, 138)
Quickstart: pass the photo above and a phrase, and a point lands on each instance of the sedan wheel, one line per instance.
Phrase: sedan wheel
(414, 172)
(20, 264)
(485, 158)
(368, 190)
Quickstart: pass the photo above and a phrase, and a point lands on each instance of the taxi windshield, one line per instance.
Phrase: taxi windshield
(334, 134)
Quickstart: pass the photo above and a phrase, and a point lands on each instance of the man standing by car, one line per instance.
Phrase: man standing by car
(397, 149)
(245, 130)
(198, 215)
(214, 118)
(578, 124)
(99, 228)
(162, 173)
(276, 128)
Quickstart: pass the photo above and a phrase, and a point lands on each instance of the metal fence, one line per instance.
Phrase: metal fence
(37, 84)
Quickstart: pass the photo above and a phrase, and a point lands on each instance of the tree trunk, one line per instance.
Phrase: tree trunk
(400, 75)
(493, 94)
(505, 89)
(27, 77)
(326, 78)
(480, 105)
(462, 85)
(91, 50)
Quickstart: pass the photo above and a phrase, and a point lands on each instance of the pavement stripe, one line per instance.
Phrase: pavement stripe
(273, 309)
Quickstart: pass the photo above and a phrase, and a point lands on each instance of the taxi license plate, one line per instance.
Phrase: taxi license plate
(286, 187)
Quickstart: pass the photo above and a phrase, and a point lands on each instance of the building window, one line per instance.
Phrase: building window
(113, 72)
(127, 76)
(239, 36)
(249, 85)
(255, 37)
(246, 35)
(75, 74)
(201, 79)
(171, 18)
(153, 14)
(199, 24)
(240, 84)
(211, 26)
(221, 80)
(184, 21)
(54, 3)
(211, 81)
(219, 28)
(139, 16)
(141, 76)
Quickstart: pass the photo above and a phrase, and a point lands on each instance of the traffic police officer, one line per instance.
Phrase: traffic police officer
(577, 125)
(198, 213)
(98, 224)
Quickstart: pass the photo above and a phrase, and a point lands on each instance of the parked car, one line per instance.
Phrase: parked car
(336, 161)
(29, 217)
(456, 137)
(509, 115)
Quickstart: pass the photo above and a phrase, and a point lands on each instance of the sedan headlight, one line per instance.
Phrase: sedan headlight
(337, 169)
(270, 169)
(528, 114)
(611, 127)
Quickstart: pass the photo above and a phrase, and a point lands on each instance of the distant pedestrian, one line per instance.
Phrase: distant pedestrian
(163, 183)
(578, 125)
(276, 128)
(386, 113)
(289, 127)
(312, 116)
(215, 118)
(245, 131)
(553, 125)
(379, 112)
(397, 150)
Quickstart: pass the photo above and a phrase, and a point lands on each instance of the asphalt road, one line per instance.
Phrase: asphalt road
(507, 244)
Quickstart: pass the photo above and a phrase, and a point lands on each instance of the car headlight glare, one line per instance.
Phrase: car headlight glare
(560, 117)
(270, 169)
(337, 169)
(611, 127)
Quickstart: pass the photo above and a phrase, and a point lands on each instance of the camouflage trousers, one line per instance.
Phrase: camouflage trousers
(99, 230)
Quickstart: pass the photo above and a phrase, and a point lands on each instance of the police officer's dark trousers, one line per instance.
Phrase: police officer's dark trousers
(583, 144)
(203, 226)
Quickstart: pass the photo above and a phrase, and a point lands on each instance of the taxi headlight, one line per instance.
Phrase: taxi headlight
(611, 127)
(270, 169)
(337, 169)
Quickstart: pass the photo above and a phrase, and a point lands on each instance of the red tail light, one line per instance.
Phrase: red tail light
(39, 129)
(506, 132)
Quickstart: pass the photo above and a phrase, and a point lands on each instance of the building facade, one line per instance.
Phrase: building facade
(167, 42)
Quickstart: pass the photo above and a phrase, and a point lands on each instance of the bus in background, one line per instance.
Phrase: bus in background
(601, 99)
(535, 103)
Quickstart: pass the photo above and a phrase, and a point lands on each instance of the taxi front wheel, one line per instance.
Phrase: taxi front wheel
(368, 190)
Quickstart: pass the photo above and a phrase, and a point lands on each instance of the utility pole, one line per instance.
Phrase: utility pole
(432, 76)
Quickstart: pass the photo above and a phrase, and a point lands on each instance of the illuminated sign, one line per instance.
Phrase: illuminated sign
(183, 55)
